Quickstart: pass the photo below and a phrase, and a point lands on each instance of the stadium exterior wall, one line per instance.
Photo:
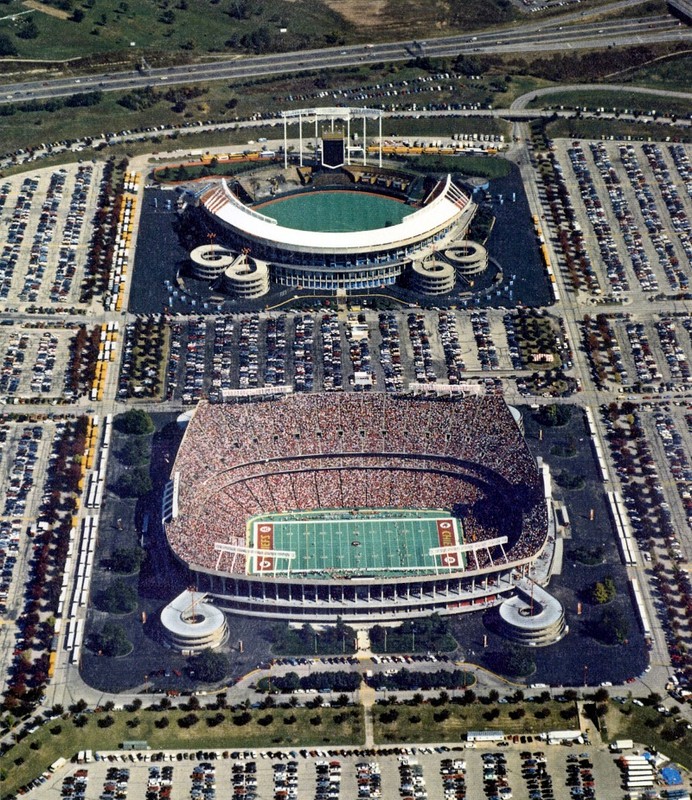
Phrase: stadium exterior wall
(359, 600)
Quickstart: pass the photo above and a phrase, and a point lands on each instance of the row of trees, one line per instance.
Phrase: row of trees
(332, 681)
(28, 673)
(406, 679)
(135, 453)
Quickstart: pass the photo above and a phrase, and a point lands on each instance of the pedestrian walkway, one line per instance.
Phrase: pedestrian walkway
(367, 696)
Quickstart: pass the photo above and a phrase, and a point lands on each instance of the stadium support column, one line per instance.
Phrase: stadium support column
(365, 143)
(317, 141)
(300, 137)
(285, 145)
(348, 140)
(380, 121)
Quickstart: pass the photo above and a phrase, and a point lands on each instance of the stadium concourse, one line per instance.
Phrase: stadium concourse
(364, 460)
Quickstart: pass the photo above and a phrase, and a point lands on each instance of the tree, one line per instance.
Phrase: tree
(118, 598)
(135, 452)
(599, 595)
(127, 559)
(7, 47)
(135, 421)
(111, 640)
(611, 628)
(135, 483)
(514, 660)
(210, 666)
(28, 29)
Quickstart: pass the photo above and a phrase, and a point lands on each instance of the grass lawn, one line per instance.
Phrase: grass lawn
(619, 129)
(647, 726)
(450, 722)
(478, 166)
(670, 73)
(201, 26)
(519, 85)
(118, 29)
(610, 101)
(23, 763)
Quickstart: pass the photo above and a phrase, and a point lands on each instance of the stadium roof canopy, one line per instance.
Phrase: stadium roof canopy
(436, 215)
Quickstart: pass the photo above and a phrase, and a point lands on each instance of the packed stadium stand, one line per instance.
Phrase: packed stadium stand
(464, 456)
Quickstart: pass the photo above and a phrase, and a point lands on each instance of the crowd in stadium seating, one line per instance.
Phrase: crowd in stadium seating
(353, 450)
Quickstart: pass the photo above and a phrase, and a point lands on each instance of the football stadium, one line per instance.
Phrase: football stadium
(366, 506)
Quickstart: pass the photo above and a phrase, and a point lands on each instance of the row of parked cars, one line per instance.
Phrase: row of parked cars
(451, 346)
(678, 464)
(303, 359)
(330, 330)
(615, 270)
(495, 781)
(116, 783)
(390, 353)
(16, 229)
(9, 551)
(43, 236)
(453, 774)
(203, 782)
(67, 255)
(193, 387)
(669, 190)
(674, 353)
(327, 779)
(159, 783)
(21, 472)
(285, 780)
(656, 228)
(422, 350)
(539, 782)
(487, 352)
(630, 229)
(411, 779)
(222, 360)
(580, 777)
(276, 351)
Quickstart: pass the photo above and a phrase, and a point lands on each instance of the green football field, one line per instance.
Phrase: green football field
(367, 543)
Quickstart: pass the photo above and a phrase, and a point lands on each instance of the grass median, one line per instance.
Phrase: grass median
(648, 726)
(213, 730)
(449, 721)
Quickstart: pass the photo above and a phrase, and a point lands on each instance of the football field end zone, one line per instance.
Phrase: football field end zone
(360, 542)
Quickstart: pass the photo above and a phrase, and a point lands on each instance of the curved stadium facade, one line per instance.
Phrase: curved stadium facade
(367, 507)
(340, 260)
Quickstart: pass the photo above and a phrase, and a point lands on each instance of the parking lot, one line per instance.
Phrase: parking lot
(430, 773)
(627, 196)
(356, 351)
(46, 230)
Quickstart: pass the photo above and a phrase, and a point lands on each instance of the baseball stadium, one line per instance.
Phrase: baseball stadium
(365, 506)
(352, 226)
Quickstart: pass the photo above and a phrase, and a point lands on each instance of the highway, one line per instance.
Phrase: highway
(545, 37)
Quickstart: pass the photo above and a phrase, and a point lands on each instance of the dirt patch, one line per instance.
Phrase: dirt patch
(52, 12)
(362, 13)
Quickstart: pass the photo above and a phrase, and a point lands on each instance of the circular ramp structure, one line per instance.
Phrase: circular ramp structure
(191, 624)
(532, 617)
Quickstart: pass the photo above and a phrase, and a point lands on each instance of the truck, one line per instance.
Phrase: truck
(621, 744)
